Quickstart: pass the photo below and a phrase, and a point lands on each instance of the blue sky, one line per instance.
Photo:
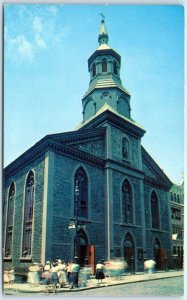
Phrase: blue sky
(46, 48)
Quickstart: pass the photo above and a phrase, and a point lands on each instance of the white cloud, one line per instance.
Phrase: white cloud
(24, 47)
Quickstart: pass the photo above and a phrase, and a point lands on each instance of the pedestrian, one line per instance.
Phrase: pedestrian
(11, 275)
(47, 273)
(84, 274)
(69, 270)
(33, 274)
(149, 266)
(74, 274)
(54, 276)
(62, 276)
(100, 271)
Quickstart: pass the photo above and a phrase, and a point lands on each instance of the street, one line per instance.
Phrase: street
(162, 287)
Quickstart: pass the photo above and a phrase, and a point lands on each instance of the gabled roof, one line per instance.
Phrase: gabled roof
(156, 175)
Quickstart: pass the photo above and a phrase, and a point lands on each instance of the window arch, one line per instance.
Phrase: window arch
(93, 70)
(154, 210)
(115, 68)
(104, 65)
(127, 203)
(125, 148)
(10, 216)
(81, 199)
(28, 215)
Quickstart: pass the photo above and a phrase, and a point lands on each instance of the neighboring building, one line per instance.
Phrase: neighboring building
(177, 221)
(98, 174)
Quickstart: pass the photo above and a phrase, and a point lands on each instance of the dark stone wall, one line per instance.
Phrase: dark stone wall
(63, 207)
(19, 178)
(96, 148)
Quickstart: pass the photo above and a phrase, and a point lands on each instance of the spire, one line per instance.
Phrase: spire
(103, 34)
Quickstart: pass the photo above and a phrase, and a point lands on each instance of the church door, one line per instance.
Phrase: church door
(157, 253)
(82, 247)
(129, 253)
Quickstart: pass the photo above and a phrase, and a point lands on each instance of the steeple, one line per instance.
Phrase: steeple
(103, 34)
(105, 85)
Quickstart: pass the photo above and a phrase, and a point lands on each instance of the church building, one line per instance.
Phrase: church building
(93, 192)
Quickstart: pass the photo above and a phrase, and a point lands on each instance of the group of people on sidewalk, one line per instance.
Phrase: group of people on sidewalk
(59, 274)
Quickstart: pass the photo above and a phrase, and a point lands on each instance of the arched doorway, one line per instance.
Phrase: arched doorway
(157, 253)
(82, 246)
(128, 248)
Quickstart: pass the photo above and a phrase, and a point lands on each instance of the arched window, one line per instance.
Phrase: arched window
(28, 215)
(104, 65)
(154, 210)
(115, 68)
(81, 198)
(171, 195)
(175, 199)
(93, 70)
(127, 205)
(10, 216)
(178, 198)
(125, 148)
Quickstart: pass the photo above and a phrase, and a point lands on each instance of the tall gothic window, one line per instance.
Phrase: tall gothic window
(28, 215)
(10, 216)
(127, 205)
(154, 210)
(115, 68)
(81, 199)
(104, 65)
(93, 70)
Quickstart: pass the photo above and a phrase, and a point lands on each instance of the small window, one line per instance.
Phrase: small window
(104, 65)
(115, 68)
(125, 148)
(93, 70)
(171, 196)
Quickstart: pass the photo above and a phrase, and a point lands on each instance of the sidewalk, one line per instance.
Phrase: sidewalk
(19, 288)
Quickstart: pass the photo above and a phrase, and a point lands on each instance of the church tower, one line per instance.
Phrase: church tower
(105, 86)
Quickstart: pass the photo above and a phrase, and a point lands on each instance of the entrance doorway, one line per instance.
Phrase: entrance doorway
(82, 247)
(157, 253)
(129, 256)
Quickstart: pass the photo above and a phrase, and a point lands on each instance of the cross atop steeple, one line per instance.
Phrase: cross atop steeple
(103, 34)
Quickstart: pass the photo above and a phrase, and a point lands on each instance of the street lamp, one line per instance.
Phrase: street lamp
(77, 192)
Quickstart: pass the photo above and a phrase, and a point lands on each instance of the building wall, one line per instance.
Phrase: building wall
(19, 178)
(96, 148)
(63, 207)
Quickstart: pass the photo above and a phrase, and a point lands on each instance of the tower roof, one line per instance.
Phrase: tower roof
(103, 34)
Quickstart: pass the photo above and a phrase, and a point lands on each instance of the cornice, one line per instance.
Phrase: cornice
(156, 183)
(79, 136)
(45, 145)
(149, 161)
